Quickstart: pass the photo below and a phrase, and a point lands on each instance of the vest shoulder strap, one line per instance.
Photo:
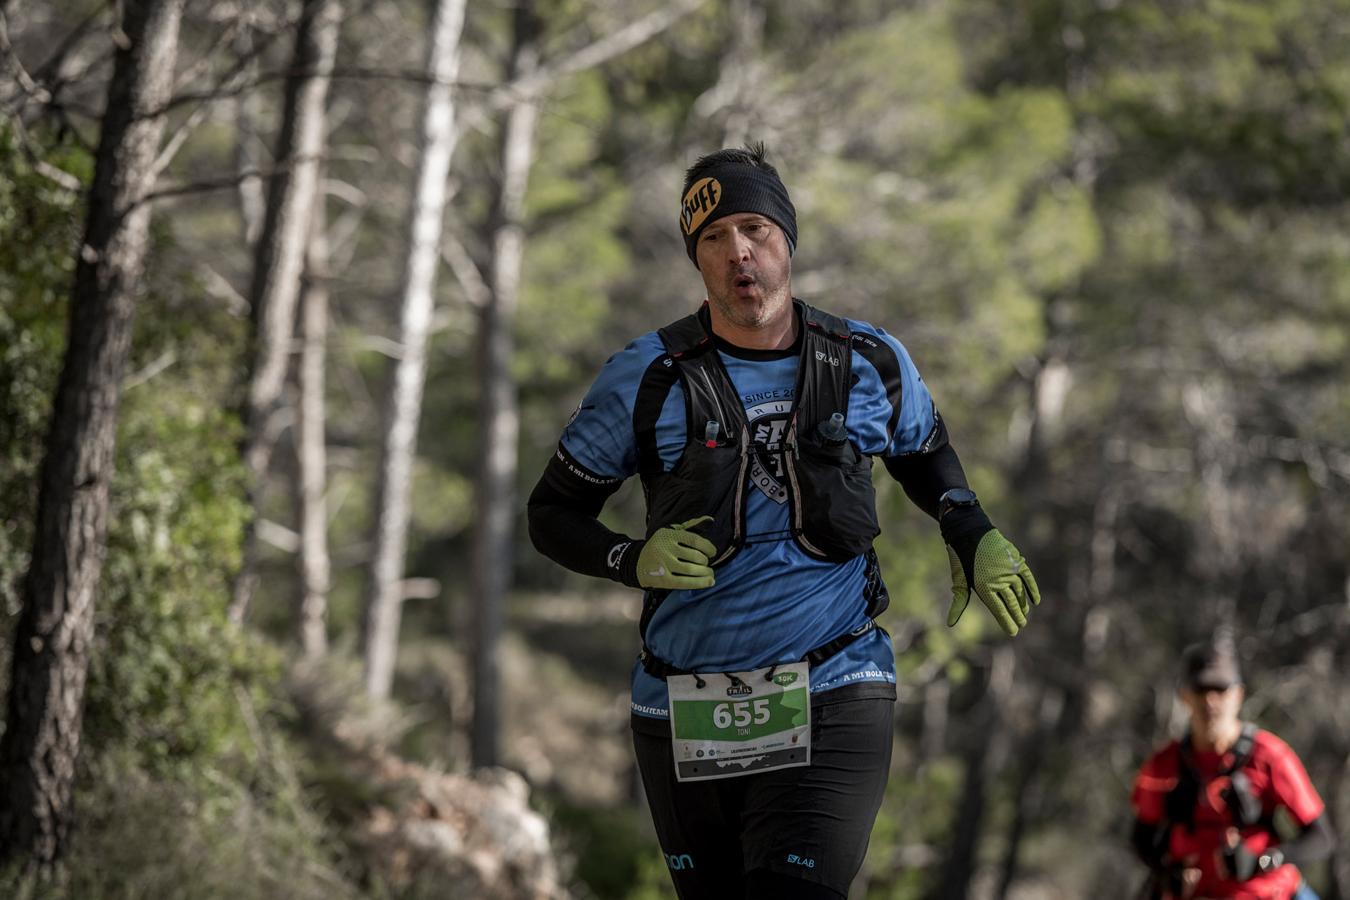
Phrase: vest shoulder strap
(661, 375)
(824, 377)
(689, 334)
(709, 393)
(686, 336)
(828, 325)
(1242, 749)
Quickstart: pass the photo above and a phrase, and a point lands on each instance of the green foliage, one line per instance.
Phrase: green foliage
(166, 666)
(615, 856)
(576, 243)
(918, 804)
(944, 205)
(246, 837)
(164, 675)
(39, 230)
(185, 791)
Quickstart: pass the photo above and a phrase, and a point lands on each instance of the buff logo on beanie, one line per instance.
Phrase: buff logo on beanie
(699, 203)
(732, 188)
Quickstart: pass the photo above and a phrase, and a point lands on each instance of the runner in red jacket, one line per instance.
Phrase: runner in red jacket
(1229, 810)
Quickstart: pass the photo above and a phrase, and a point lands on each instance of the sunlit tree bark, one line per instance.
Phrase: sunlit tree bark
(384, 591)
(279, 255)
(498, 408)
(310, 443)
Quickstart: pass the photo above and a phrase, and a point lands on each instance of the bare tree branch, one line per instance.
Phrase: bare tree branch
(230, 182)
(606, 48)
(153, 368)
(220, 288)
(10, 60)
(72, 40)
(467, 273)
(496, 96)
(56, 175)
(278, 536)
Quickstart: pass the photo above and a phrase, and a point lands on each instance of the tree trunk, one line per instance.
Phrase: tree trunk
(933, 737)
(250, 192)
(1209, 406)
(42, 737)
(1029, 794)
(498, 416)
(1337, 866)
(279, 256)
(310, 444)
(741, 79)
(985, 756)
(384, 593)
(1036, 436)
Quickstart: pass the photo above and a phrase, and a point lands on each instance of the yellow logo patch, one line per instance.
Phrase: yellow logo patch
(699, 203)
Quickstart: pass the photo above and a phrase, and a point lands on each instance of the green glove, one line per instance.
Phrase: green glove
(676, 559)
(984, 559)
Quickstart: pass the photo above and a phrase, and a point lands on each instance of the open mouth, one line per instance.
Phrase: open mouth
(743, 281)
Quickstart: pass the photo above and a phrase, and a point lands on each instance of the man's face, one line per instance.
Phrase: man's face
(1213, 711)
(747, 270)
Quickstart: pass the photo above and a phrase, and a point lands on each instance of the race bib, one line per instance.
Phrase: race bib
(740, 722)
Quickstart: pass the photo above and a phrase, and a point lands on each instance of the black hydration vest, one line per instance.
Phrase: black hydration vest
(831, 501)
(1244, 807)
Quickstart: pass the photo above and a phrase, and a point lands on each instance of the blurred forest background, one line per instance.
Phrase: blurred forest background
(322, 659)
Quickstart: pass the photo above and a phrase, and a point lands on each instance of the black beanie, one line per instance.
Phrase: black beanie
(730, 188)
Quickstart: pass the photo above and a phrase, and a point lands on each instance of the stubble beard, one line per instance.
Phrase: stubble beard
(753, 314)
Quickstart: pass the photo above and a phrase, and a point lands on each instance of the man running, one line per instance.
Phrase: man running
(763, 695)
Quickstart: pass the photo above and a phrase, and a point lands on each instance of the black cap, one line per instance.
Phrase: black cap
(1211, 664)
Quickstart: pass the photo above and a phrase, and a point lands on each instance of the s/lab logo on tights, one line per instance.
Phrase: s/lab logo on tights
(801, 860)
(679, 863)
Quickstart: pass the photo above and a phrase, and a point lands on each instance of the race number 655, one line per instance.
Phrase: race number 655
(741, 713)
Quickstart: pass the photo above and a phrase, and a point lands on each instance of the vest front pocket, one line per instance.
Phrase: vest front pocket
(835, 498)
(705, 482)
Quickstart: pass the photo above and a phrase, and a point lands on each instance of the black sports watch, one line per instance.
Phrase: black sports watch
(956, 498)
